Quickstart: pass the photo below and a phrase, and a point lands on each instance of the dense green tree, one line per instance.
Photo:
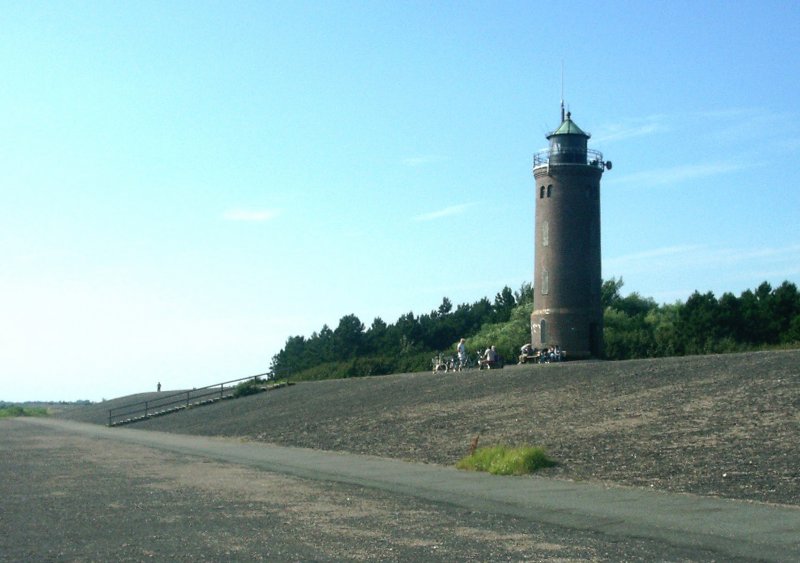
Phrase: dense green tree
(756, 321)
(481, 313)
(504, 303)
(437, 331)
(785, 309)
(663, 322)
(625, 336)
(609, 292)
(348, 338)
(292, 358)
(319, 346)
(729, 317)
(407, 333)
(376, 341)
(630, 323)
(698, 323)
(634, 305)
(445, 308)
(793, 333)
(524, 294)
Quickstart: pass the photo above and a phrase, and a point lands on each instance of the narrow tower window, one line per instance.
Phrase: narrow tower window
(541, 192)
(546, 233)
(549, 190)
(545, 282)
(543, 331)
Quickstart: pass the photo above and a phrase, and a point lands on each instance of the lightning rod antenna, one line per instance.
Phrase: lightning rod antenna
(562, 90)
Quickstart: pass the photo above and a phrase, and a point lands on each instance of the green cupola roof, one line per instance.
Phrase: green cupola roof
(568, 127)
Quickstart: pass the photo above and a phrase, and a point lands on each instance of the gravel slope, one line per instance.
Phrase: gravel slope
(715, 425)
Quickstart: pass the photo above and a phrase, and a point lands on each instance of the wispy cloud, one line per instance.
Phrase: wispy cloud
(663, 252)
(672, 273)
(446, 212)
(691, 257)
(747, 124)
(682, 173)
(722, 125)
(250, 214)
(632, 128)
(792, 144)
(414, 161)
(654, 259)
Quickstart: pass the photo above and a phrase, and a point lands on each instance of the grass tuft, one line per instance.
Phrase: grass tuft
(504, 460)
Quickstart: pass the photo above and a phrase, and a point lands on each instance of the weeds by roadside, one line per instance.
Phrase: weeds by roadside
(504, 460)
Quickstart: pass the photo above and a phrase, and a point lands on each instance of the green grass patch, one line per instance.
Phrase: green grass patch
(8, 412)
(504, 460)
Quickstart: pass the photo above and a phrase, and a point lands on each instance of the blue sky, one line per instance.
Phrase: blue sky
(183, 185)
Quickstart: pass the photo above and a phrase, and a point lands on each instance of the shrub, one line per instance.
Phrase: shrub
(503, 460)
(249, 387)
(366, 366)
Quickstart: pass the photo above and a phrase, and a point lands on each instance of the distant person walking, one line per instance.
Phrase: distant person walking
(158, 387)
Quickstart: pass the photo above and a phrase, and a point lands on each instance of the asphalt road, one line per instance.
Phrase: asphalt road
(601, 523)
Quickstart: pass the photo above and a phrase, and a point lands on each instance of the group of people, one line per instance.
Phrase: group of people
(491, 359)
(529, 354)
(488, 359)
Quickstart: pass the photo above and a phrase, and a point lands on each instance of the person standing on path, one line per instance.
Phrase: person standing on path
(462, 354)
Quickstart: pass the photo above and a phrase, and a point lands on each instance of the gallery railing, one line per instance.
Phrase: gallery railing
(568, 156)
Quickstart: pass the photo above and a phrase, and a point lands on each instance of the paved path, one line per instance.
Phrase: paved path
(730, 528)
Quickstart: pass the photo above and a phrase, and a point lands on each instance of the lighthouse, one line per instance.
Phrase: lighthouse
(567, 311)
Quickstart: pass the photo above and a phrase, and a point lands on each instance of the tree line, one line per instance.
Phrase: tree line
(635, 327)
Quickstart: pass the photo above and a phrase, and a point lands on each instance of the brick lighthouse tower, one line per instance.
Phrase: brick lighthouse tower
(567, 311)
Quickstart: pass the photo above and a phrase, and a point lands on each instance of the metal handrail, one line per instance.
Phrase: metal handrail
(175, 401)
(568, 157)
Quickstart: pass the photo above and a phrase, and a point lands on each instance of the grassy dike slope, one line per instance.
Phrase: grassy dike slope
(714, 425)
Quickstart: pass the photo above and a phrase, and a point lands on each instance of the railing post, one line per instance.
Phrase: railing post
(187, 398)
(145, 409)
(221, 389)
